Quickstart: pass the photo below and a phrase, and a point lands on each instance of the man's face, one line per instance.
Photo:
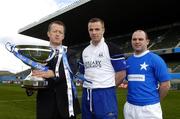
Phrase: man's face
(56, 34)
(96, 31)
(139, 42)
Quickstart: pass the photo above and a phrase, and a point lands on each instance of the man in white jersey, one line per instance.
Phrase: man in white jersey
(104, 68)
(148, 80)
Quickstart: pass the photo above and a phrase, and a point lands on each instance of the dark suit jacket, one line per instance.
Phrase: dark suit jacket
(54, 100)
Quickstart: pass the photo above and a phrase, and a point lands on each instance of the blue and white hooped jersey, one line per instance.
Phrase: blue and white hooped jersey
(100, 64)
(143, 74)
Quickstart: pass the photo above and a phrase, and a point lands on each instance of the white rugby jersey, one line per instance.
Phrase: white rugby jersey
(97, 66)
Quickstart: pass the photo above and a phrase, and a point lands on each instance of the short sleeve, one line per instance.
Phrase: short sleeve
(118, 60)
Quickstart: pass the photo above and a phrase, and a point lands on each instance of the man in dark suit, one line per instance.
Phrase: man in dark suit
(59, 99)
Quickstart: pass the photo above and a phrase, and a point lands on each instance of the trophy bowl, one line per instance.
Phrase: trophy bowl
(36, 57)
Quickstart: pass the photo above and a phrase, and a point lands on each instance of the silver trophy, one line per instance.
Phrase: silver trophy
(36, 57)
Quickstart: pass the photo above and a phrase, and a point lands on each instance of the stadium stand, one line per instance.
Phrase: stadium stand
(123, 42)
(176, 69)
(5, 73)
(162, 37)
(162, 24)
(170, 38)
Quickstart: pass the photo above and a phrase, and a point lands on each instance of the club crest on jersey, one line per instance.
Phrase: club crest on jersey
(100, 54)
(144, 66)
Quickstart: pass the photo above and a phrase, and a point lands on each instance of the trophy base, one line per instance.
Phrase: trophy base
(34, 84)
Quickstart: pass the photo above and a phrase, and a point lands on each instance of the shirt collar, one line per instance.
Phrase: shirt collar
(100, 43)
(56, 47)
(142, 54)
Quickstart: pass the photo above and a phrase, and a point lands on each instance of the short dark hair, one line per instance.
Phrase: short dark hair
(92, 20)
(56, 22)
(139, 30)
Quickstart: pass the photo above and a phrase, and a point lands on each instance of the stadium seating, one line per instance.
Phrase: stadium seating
(168, 38)
(176, 69)
(123, 42)
(160, 38)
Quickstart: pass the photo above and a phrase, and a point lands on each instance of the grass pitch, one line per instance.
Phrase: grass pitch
(15, 104)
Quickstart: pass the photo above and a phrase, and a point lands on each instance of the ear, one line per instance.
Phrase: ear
(48, 34)
(148, 41)
(103, 30)
(63, 36)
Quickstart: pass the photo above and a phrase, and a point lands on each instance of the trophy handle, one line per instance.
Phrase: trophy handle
(26, 60)
(9, 47)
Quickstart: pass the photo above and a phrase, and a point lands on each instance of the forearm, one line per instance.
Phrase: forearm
(163, 89)
(118, 82)
(119, 77)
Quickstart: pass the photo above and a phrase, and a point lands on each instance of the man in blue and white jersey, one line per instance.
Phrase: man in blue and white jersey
(148, 80)
(104, 68)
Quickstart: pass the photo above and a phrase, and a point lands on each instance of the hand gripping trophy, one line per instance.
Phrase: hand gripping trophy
(36, 57)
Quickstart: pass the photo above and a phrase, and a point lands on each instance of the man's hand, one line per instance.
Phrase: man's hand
(124, 85)
(43, 74)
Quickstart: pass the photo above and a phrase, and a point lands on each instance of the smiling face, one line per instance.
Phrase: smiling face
(96, 31)
(139, 41)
